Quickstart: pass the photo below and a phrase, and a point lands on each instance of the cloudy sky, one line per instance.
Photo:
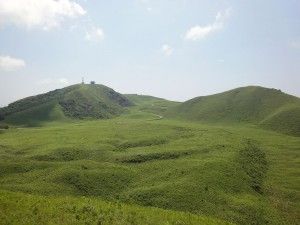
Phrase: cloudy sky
(176, 49)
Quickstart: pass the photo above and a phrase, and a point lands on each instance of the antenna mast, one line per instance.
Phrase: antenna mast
(82, 81)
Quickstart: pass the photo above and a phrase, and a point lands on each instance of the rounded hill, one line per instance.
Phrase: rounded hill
(269, 108)
(77, 101)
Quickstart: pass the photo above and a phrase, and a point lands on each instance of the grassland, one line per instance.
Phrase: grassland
(195, 168)
(37, 210)
(145, 168)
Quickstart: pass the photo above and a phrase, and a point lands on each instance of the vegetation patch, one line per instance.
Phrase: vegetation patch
(253, 161)
(155, 156)
(141, 143)
(64, 154)
(19, 167)
(97, 182)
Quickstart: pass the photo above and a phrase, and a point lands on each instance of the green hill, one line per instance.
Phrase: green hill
(151, 104)
(269, 108)
(148, 107)
(285, 120)
(76, 101)
(145, 99)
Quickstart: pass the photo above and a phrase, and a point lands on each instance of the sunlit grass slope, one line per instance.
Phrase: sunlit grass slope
(24, 209)
(146, 103)
(285, 119)
(76, 101)
(233, 173)
(257, 105)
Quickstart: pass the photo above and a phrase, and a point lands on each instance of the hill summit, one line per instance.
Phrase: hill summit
(269, 108)
(76, 101)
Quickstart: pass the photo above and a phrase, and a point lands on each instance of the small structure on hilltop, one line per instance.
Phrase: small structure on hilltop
(93, 82)
(82, 80)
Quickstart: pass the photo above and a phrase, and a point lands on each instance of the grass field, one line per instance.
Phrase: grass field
(142, 159)
(38, 210)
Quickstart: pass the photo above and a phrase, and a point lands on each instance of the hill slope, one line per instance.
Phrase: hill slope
(150, 104)
(269, 108)
(76, 101)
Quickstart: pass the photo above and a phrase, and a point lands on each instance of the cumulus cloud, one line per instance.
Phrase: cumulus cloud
(45, 14)
(94, 34)
(48, 81)
(200, 32)
(167, 50)
(8, 63)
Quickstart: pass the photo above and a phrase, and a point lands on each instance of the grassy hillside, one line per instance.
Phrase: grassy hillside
(269, 107)
(77, 101)
(201, 169)
(285, 119)
(24, 209)
(151, 104)
(34, 116)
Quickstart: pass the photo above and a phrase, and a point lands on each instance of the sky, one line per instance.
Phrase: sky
(175, 49)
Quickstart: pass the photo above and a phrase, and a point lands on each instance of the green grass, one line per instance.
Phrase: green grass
(151, 104)
(35, 116)
(285, 120)
(270, 108)
(24, 209)
(254, 163)
(203, 169)
(223, 169)
(76, 101)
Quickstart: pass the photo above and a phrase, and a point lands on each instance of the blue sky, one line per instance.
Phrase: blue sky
(175, 49)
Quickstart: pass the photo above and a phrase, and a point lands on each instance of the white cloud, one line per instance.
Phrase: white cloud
(294, 44)
(48, 81)
(200, 32)
(94, 34)
(45, 14)
(8, 63)
(167, 50)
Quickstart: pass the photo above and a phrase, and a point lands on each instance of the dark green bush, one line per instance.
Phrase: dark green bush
(154, 156)
(254, 163)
